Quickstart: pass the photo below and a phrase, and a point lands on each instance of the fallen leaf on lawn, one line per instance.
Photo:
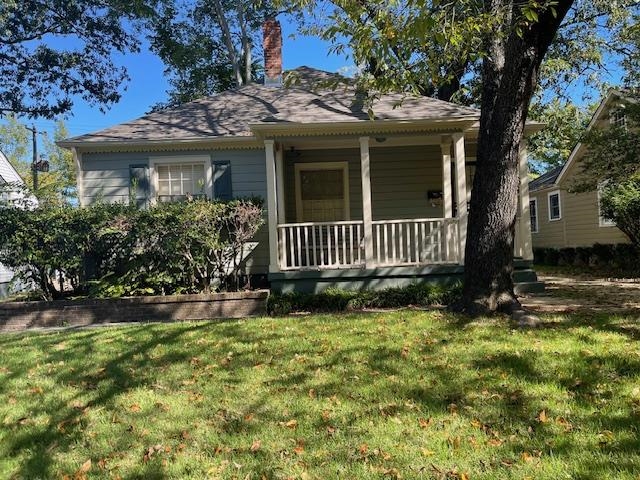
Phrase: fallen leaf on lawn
(291, 423)
(494, 442)
(425, 422)
(312, 393)
(405, 351)
(299, 450)
(563, 422)
(363, 448)
(331, 430)
(454, 442)
(135, 408)
(326, 415)
(185, 435)
(426, 452)
(453, 408)
(542, 417)
(248, 417)
(102, 464)
(36, 391)
(255, 446)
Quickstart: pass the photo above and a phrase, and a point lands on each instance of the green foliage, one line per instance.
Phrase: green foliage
(621, 203)
(565, 123)
(623, 257)
(338, 300)
(116, 250)
(39, 77)
(58, 185)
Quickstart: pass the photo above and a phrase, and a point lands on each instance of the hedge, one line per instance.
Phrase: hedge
(338, 300)
(622, 256)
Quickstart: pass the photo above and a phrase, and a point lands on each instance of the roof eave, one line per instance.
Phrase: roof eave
(262, 130)
(238, 140)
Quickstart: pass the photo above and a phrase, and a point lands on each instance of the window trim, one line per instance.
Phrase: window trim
(618, 117)
(549, 195)
(179, 160)
(602, 222)
(300, 167)
(537, 225)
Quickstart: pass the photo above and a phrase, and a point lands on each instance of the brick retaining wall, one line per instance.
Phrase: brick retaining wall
(16, 316)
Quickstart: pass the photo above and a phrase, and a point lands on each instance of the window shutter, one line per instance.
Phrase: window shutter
(222, 189)
(139, 184)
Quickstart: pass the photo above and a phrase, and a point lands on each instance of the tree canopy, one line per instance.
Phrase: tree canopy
(53, 50)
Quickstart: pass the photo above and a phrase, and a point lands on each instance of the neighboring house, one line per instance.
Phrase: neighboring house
(10, 193)
(563, 219)
(351, 201)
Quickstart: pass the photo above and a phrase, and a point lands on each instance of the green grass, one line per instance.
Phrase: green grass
(409, 394)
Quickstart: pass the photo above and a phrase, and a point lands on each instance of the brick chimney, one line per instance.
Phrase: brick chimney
(272, 45)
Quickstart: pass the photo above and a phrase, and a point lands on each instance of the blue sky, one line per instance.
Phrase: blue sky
(148, 84)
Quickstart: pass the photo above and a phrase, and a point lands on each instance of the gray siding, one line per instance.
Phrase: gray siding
(400, 179)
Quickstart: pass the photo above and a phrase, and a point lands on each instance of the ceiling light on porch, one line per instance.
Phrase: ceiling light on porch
(381, 139)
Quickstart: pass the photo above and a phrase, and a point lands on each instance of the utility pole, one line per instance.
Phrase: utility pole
(34, 163)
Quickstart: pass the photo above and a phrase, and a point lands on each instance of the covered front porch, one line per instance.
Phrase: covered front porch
(374, 206)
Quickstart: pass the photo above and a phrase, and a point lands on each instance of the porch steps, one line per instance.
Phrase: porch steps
(526, 281)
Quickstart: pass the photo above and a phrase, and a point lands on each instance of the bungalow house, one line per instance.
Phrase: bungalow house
(351, 200)
(560, 218)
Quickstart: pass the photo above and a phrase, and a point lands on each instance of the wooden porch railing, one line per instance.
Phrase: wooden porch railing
(318, 245)
(415, 241)
(327, 245)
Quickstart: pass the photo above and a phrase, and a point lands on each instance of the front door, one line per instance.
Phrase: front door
(322, 192)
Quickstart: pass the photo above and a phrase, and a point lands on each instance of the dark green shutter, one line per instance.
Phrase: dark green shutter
(139, 184)
(222, 189)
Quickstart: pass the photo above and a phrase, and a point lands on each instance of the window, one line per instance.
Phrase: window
(555, 212)
(602, 221)
(181, 181)
(617, 118)
(322, 191)
(533, 212)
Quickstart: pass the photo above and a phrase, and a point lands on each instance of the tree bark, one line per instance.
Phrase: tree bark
(509, 77)
(228, 41)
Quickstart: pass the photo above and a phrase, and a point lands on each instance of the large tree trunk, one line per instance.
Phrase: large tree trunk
(509, 78)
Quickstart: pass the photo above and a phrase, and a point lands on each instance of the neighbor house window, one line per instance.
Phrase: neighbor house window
(618, 118)
(533, 212)
(555, 212)
(181, 181)
(602, 221)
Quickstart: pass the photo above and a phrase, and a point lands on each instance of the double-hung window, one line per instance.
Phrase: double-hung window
(181, 181)
(555, 208)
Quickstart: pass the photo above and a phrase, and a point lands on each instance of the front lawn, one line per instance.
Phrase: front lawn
(388, 395)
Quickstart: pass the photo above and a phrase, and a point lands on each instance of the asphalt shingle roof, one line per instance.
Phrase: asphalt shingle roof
(230, 114)
(545, 179)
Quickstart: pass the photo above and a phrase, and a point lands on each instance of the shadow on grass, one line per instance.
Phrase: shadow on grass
(491, 388)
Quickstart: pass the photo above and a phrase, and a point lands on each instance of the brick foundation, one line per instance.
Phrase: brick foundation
(16, 316)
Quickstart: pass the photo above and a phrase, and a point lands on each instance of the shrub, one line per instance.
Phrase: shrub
(566, 256)
(338, 300)
(116, 250)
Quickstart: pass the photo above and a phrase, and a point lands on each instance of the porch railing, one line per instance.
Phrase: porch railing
(415, 241)
(318, 245)
(328, 245)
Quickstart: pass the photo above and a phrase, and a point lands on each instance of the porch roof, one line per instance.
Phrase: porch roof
(238, 114)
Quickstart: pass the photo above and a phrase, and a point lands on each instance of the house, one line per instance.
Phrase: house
(351, 201)
(560, 218)
(11, 193)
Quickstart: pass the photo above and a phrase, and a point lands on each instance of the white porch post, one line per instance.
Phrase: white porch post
(272, 205)
(280, 183)
(525, 217)
(461, 192)
(447, 206)
(367, 216)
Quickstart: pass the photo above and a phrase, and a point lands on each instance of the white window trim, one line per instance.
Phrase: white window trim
(537, 225)
(602, 222)
(549, 195)
(176, 160)
(618, 117)
(300, 167)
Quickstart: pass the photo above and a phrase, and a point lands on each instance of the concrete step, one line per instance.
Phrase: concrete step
(521, 288)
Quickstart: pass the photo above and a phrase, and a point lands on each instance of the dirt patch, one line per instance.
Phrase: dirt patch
(567, 293)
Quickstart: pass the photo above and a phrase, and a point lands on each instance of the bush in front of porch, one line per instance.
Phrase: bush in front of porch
(339, 300)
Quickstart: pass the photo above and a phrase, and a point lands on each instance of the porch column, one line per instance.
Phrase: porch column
(367, 217)
(525, 216)
(447, 206)
(272, 205)
(280, 183)
(461, 192)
